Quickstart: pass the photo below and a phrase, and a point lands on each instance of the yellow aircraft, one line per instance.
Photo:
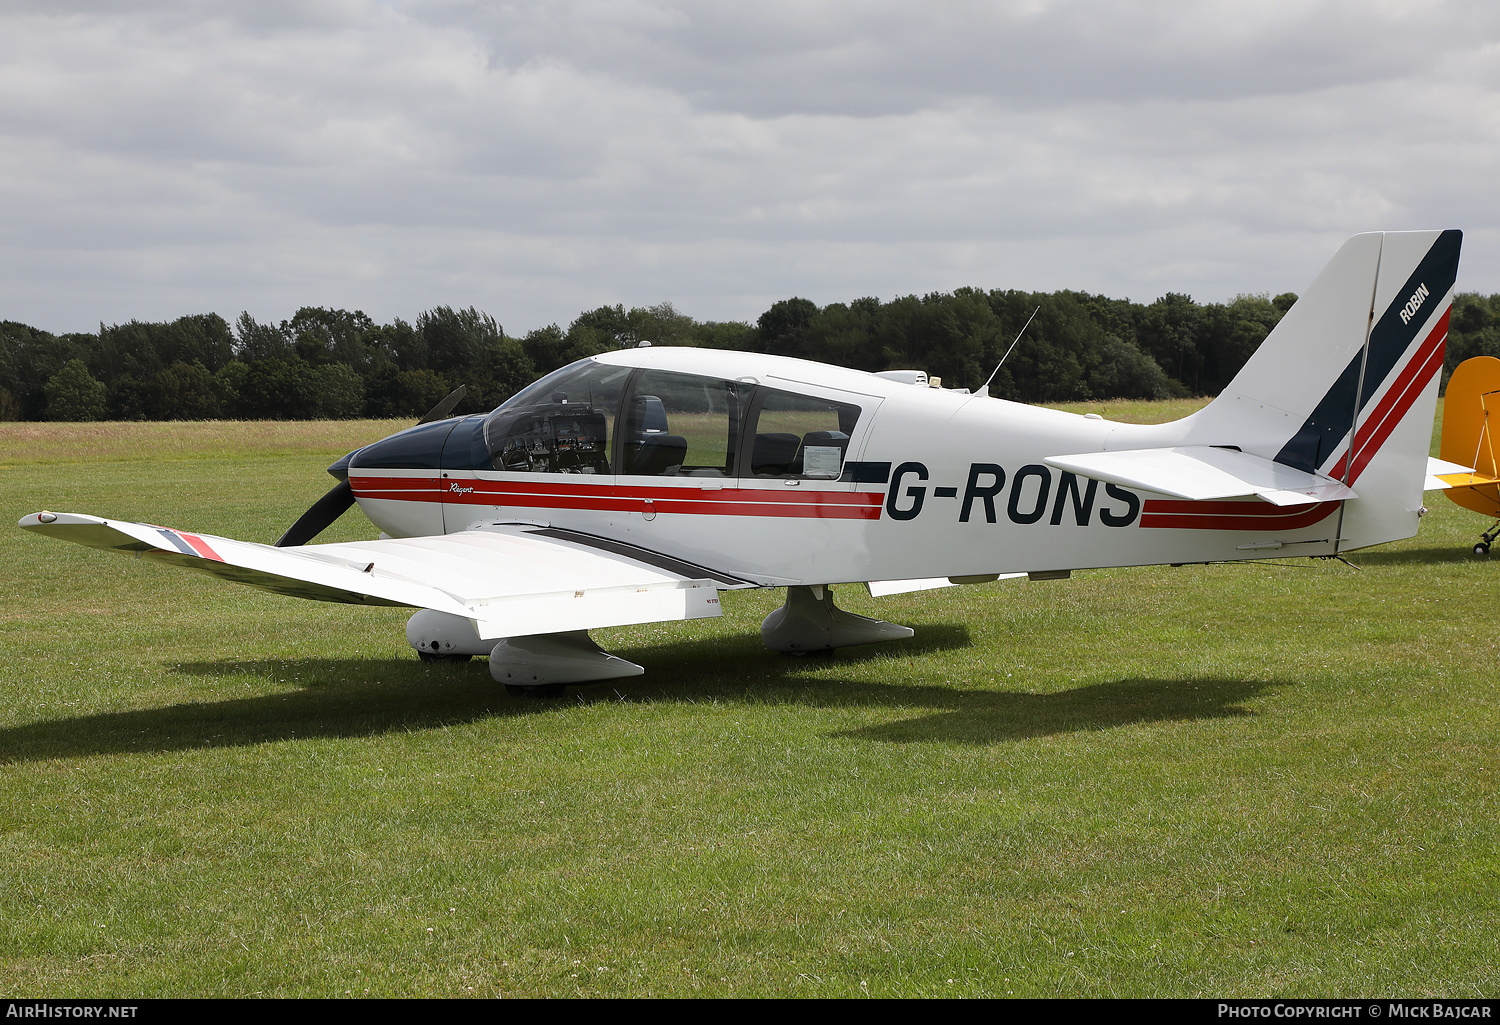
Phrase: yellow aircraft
(1471, 414)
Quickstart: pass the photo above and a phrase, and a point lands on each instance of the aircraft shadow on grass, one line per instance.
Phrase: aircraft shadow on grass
(369, 696)
(1414, 557)
(993, 717)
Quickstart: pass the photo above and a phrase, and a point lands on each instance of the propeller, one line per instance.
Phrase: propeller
(318, 518)
(334, 504)
(442, 409)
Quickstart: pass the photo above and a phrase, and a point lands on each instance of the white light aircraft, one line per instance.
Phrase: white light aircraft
(636, 486)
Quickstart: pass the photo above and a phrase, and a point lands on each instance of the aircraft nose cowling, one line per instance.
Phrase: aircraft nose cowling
(340, 469)
(456, 444)
(416, 448)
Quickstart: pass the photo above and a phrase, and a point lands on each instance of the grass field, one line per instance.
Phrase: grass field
(1260, 779)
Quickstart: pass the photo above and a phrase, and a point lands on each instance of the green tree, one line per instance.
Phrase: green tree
(1473, 330)
(545, 347)
(394, 393)
(505, 370)
(333, 336)
(227, 383)
(128, 397)
(74, 395)
(784, 327)
(1167, 330)
(661, 325)
(457, 339)
(338, 392)
(846, 335)
(726, 334)
(255, 341)
(141, 349)
(1226, 336)
(1052, 357)
(29, 358)
(278, 389)
(182, 391)
(395, 343)
(1125, 372)
(596, 330)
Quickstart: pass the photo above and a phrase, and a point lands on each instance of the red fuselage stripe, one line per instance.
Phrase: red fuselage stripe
(610, 498)
(1252, 515)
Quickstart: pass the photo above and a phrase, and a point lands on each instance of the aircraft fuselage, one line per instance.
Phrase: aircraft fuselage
(929, 483)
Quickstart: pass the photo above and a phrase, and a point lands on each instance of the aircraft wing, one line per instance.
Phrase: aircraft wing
(1199, 473)
(511, 580)
(1442, 475)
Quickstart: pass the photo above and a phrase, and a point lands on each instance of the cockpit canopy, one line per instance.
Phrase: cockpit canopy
(596, 418)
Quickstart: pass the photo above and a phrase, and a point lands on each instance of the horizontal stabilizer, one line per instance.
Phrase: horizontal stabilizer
(509, 580)
(1441, 475)
(1200, 473)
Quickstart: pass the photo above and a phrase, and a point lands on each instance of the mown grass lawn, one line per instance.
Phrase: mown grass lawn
(1267, 779)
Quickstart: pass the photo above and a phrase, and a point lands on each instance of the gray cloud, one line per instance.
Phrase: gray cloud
(876, 58)
(536, 159)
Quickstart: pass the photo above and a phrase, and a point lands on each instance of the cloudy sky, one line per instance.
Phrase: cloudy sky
(538, 159)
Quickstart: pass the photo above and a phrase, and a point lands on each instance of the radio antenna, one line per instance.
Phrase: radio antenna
(984, 389)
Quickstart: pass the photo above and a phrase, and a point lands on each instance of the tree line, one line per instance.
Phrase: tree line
(332, 364)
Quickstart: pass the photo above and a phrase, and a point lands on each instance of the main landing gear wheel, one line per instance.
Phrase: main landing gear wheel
(1486, 539)
(432, 657)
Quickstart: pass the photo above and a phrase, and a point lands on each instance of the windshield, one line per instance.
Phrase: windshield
(559, 424)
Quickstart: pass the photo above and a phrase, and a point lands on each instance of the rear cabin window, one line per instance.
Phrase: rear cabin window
(800, 436)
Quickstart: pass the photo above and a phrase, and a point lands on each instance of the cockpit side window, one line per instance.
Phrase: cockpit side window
(800, 436)
(560, 424)
(682, 425)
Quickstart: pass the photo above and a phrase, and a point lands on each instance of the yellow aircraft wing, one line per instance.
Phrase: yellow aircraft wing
(1471, 416)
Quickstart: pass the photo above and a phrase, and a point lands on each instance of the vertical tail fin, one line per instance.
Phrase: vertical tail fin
(1346, 385)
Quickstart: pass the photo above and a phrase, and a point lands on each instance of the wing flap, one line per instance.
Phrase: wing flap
(885, 588)
(1200, 473)
(586, 609)
(508, 580)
